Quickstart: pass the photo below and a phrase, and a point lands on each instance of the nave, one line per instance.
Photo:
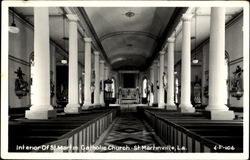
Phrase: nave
(130, 133)
(165, 79)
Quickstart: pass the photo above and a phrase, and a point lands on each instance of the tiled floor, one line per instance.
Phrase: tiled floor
(129, 134)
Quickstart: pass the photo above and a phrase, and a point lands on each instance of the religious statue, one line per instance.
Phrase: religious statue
(21, 86)
(236, 83)
(164, 80)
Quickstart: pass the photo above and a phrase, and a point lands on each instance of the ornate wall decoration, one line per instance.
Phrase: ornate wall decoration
(21, 86)
(52, 88)
(236, 89)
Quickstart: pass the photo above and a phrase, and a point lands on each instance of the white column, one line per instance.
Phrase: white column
(152, 82)
(106, 72)
(87, 77)
(155, 79)
(102, 80)
(73, 101)
(186, 105)
(53, 69)
(161, 102)
(216, 91)
(97, 79)
(170, 89)
(41, 108)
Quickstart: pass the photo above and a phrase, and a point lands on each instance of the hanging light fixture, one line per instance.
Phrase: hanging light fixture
(13, 28)
(195, 60)
(64, 61)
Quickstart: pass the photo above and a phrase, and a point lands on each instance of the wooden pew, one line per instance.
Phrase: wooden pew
(195, 130)
(64, 128)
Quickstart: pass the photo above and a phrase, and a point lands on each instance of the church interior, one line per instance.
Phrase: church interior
(125, 79)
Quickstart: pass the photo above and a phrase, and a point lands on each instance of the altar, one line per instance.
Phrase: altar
(129, 96)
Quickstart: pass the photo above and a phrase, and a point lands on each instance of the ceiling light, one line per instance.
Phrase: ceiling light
(130, 14)
(13, 28)
(64, 61)
(195, 61)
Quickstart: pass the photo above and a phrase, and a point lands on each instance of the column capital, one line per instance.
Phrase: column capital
(155, 61)
(102, 61)
(72, 17)
(162, 52)
(87, 39)
(96, 53)
(171, 40)
(187, 17)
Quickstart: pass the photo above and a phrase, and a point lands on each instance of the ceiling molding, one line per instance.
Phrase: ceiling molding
(173, 22)
(93, 32)
(141, 33)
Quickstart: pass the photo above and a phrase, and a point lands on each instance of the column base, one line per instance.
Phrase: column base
(97, 105)
(102, 104)
(185, 108)
(32, 114)
(216, 108)
(222, 115)
(171, 107)
(72, 108)
(162, 105)
(87, 106)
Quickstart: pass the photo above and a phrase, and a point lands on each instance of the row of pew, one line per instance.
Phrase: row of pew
(195, 131)
(27, 135)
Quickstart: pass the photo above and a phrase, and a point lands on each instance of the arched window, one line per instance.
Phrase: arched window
(80, 87)
(226, 77)
(144, 88)
(31, 61)
(176, 89)
(113, 87)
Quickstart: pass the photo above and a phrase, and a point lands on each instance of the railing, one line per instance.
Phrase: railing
(177, 136)
(79, 139)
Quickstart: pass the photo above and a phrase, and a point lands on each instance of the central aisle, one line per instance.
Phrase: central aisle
(129, 133)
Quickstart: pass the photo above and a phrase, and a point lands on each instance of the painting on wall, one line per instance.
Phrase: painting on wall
(236, 88)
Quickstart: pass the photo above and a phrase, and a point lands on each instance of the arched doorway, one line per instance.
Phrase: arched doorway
(145, 90)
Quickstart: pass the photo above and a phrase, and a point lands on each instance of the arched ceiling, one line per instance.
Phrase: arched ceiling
(129, 36)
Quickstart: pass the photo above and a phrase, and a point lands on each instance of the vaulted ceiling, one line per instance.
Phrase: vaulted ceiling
(129, 36)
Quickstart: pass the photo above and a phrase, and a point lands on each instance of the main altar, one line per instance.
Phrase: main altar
(129, 95)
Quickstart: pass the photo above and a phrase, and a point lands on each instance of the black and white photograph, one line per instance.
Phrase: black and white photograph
(125, 80)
